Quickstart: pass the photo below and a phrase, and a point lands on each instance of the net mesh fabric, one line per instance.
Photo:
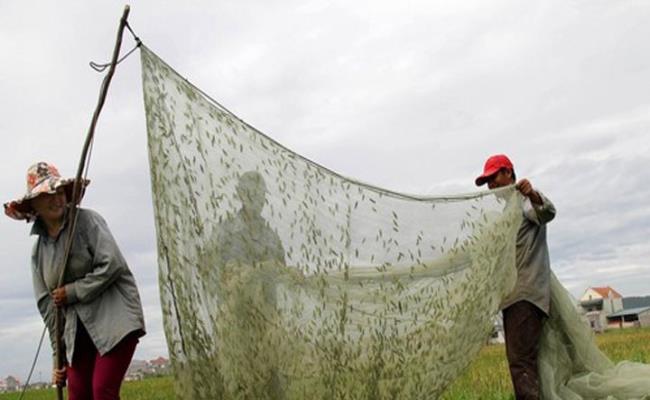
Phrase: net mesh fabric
(282, 279)
(571, 365)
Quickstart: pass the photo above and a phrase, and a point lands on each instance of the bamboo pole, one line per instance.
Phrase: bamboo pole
(77, 189)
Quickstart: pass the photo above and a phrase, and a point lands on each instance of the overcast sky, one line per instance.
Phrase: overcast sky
(411, 96)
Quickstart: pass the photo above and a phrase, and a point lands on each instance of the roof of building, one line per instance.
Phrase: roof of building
(159, 361)
(605, 292)
(629, 311)
(636, 301)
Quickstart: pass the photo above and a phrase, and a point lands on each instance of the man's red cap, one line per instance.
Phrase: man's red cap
(492, 166)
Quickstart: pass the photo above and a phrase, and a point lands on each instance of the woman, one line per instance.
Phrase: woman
(99, 297)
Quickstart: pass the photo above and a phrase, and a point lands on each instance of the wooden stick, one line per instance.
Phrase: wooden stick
(76, 192)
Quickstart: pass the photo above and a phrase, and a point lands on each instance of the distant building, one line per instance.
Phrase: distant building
(605, 308)
(9, 384)
(140, 369)
(136, 370)
(497, 336)
(598, 303)
(39, 385)
(630, 318)
(159, 365)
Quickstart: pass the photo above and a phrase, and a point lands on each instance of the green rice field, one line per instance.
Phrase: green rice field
(487, 377)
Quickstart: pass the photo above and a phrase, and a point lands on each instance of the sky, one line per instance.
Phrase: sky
(412, 96)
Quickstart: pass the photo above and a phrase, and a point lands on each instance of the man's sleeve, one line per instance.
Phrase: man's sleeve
(543, 213)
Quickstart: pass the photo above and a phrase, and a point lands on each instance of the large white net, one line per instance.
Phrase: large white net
(282, 279)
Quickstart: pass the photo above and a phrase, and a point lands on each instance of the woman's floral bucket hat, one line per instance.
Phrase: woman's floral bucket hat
(42, 177)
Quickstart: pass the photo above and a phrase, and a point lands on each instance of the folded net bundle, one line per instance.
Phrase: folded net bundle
(282, 279)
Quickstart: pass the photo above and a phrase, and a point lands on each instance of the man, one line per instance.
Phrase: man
(526, 308)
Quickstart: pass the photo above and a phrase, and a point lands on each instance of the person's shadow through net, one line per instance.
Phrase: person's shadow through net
(248, 253)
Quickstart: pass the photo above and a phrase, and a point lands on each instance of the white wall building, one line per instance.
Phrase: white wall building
(598, 303)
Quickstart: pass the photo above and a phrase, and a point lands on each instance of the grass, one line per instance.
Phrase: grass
(486, 378)
(159, 388)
